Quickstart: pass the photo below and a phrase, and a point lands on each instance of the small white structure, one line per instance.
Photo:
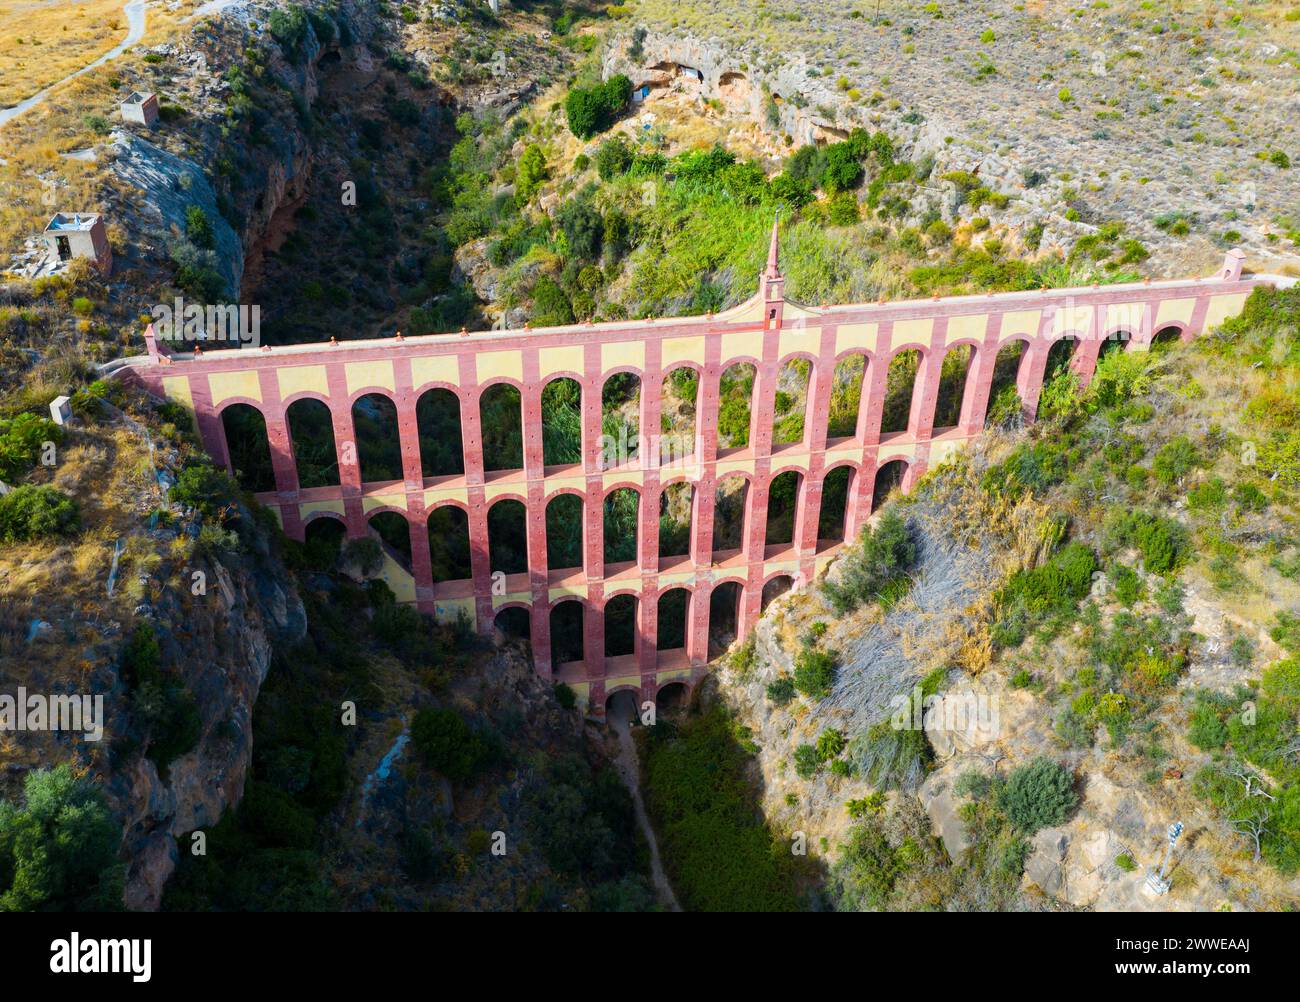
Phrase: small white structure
(61, 410)
(79, 234)
(142, 109)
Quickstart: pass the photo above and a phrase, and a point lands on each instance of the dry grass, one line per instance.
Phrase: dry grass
(42, 41)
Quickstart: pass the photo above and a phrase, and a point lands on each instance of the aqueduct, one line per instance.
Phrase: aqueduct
(642, 621)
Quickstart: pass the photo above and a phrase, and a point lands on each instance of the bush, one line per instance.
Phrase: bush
(1163, 542)
(1207, 731)
(58, 850)
(883, 554)
(814, 673)
(781, 691)
(204, 488)
(1038, 795)
(31, 512)
(1174, 461)
(592, 110)
(530, 174)
(21, 440)
(806, 761)
(613, 158)
(450, 745)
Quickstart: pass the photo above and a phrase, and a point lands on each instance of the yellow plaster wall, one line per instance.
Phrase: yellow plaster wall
(225, 385)
(565, 358)
(860, 336)
(377, 373)
(1171, 310)
(1222, 307)
(1021, 322)
(302, 379)
(435, 369)
(622, 353)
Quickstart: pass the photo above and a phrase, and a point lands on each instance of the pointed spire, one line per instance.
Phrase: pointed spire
(773, 251)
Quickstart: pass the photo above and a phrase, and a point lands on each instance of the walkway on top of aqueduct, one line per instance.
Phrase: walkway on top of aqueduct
(724, 589)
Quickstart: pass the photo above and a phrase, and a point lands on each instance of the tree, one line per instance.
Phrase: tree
(57, 851)
(582, 108)
(33, 512)
(21, 441)
(530, 173)
(1038, 795)
(584, 229)
(613, 158)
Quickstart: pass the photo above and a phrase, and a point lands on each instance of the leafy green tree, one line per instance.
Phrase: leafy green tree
(530, 173)
(883, 555)
(613, 158)
(21, 441)
(58, 850)
(33, 512)
(450, 745)
(814, 673)
(1038, 795)
(551, 307)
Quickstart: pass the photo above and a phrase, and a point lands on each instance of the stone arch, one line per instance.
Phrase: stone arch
(838, 485)
(724, 615)
(567, 628)
(672, 698)
(730, 513)
(680, 396)
(378, 441)
(676, 505)
(247, 447)
(957, 376)
(775, 586)
(620, 418)
(311, 430)
(515, 622)
(323, 536)
(1116, 340)
(621, 704)
(622, 518)
(673, 618)
(1064, 350)
(565, 530)
(889, 478)
(1169, 334)
(784, 493)
(736, 404)
(621, 634)
(507, 522)
(790, 411)
(562, 422)
(1004, 403)
(437, 419)
(393, 530)
(500, 413)
(843, 420)
(449, 550)
(901, 386)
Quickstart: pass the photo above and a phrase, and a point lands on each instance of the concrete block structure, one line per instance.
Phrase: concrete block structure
(71, 235)
(766, 332)
(142, 109)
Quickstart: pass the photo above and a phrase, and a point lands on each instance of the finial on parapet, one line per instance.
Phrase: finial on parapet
(774, 250)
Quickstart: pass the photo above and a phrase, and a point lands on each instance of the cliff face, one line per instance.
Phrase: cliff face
(222, 643)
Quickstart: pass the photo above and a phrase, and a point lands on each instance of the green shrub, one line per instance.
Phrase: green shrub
(58, 849)
(781, 691)
(31, 512)
(204, 488)
(1164, 543)
(450, 745)
(1206, 730)
(829, 744)
(883, 554)
(1175, 460)
(22, 439)
(565, 696)
(613, 158)
(814, 673)
(592, 110)
(1038, 795)
(806, 761)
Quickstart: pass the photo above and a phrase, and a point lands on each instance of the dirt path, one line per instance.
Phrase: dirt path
(627, 768)
(134, 11)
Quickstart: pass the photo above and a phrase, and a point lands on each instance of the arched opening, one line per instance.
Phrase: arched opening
(889, 478)
(846, 396)
(900, 384)
(501, 424)
(621, 707)
(831, 525)
(675, 504)
(1059, 356)
(620, 626)
(1004, 406)
(791, 402)
(1166, 338)
(514, 623)
(379, 445)
(673, 605)
(394, 533)
(248, 447)
(954, 375)
(735, 395)
(562, 422)
(437, 417)
(311, 429)
(508, 537)
(566, 631)
(564, 525)
(620, 419)
(774, 589)
(323, 542)
(1114, 341)
(724, 617)
(671, 700)
(782, 506)
(729, 516)
(449, 544)
(622, 513)
(681, 389)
